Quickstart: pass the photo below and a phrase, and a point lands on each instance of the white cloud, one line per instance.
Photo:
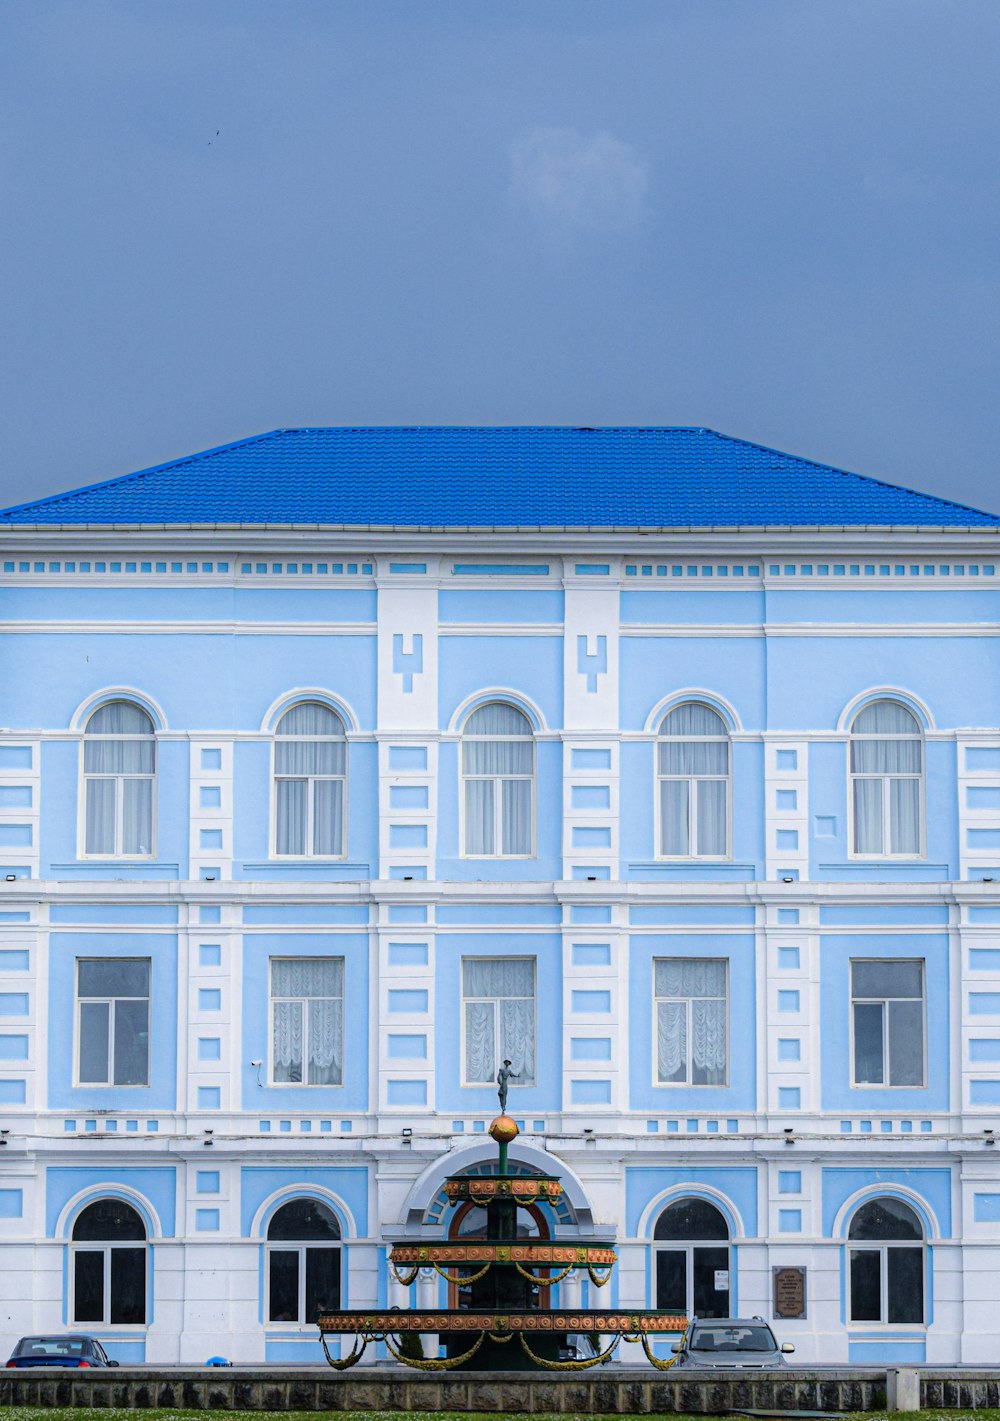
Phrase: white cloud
(570, 179)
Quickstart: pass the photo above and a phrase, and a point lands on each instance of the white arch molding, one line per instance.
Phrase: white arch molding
(694, 1190)
(497, 693)
(426, 1188)
(74, 1207)
(86, 708)
(694, 693)
(885, 1190)
(886, 693)
(290, 1192)
(287, 699)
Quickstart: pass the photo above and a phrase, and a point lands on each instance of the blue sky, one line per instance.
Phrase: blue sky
(777, 218)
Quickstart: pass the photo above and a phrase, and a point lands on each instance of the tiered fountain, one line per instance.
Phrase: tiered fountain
(501, 1323)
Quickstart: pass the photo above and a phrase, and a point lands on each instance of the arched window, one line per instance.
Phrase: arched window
(470, 1224)
(310, 767)
(692, 1259)
(693, 774)
(887, 765)
(498, 768)
(303, 1262)
(887, 1263)
(119, 774)
(109, 1264)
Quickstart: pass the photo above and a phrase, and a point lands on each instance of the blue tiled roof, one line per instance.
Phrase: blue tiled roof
(527, 477)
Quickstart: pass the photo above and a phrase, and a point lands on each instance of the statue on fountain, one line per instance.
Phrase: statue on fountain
(504, 1076)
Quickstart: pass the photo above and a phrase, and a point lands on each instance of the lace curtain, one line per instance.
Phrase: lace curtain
(500, 759)
(886, 805)
(499, 1017)
(309, 761)
(307, 995)
(694, 811)
(118, 770)
(691, 1020)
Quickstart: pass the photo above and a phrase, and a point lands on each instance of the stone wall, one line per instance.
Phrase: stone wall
(606, 1390)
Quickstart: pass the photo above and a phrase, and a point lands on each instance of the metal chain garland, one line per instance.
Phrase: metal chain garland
(581, 1366)
(471, 1278)
(657, 1363)
(341, 1364)
(544, 1282)
(597, 1282)
(410, 1278)
(435, 1364)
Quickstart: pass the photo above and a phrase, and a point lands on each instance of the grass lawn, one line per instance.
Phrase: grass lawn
(66, 1413)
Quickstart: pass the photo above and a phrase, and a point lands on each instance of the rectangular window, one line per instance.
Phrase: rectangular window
(498, 1008)
(307, 1020)
(887, 1009)
(691, 1019)
(113, 1021)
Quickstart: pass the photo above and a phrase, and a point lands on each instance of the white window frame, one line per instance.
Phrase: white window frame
(883, 1002)
(311, 781)
(304, 1002)
(687, 1083)
(853, 776)
(514, 1083)
(883, 1249)
(688, 1248)
(84, 777)
(291, 1246)
(692, 780)
(110, 1002)
(107, 1249)
(498, 780)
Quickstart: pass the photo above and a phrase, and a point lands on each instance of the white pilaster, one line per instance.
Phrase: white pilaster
(786, 808)
(590, 721)
(211, 848)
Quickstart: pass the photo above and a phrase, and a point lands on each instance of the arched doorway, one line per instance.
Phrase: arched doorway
(887, 1263)
(108, 1264)
(469, 1224)
(303, 1262)
(692, 1259)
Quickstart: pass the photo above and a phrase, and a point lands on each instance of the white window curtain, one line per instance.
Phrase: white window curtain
(310, 767)
(691, 1029)
(307, 1015)
(113, 1021)
(886, 776)
(499, 1005)
(119, 769)
(693, 771)
(498, 767)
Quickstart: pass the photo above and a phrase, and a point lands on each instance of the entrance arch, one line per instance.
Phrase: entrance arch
(692, 1257)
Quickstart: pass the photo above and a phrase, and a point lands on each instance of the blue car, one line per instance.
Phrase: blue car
(74, 1350)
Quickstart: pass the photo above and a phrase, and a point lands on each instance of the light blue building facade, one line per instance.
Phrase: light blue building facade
(338, 766)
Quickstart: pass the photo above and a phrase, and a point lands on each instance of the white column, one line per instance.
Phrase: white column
(407, 717)
(590, 722)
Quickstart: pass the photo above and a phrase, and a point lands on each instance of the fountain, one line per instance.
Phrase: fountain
(501, 1323)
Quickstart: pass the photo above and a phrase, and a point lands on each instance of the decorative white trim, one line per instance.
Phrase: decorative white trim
(888, 693)
(496, 693)
(287, 699)
(310, 1190)
(693, 1190)
(880, 1190)
(83, 712)
(111, 1189)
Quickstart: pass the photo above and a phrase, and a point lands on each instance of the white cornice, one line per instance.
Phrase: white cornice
(324, 538)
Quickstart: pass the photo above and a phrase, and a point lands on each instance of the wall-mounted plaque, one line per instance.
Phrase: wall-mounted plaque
(789, 1292)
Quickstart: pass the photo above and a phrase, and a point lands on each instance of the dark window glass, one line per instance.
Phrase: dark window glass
(906, 1284)
(671, 1280)
(322, 1281)
(108, 1221)
(303, 1220)
(283, 1302)
(866, 1286)
(691, 1219)
(88, 1286)
(128, 1285)
(94, 1042)
(710, 1301)
(883, 1220)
